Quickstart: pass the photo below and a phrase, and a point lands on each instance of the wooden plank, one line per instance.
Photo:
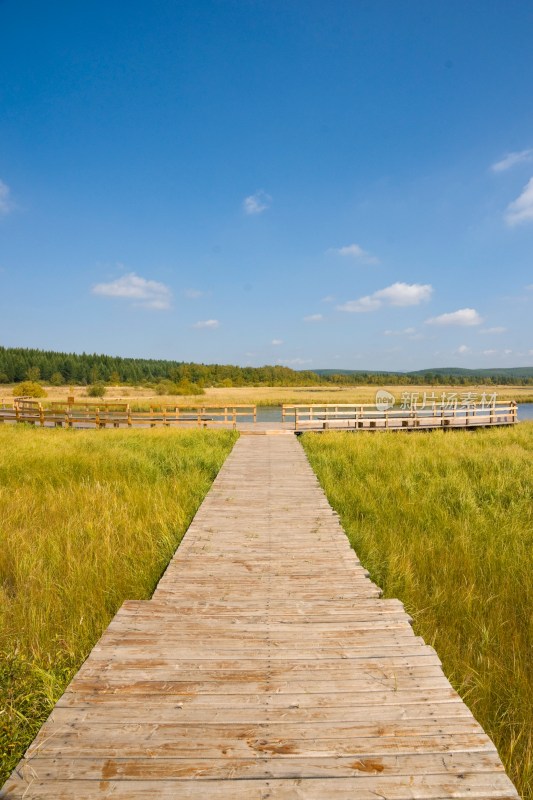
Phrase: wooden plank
(383, 698)
(477, 785)
(275, 766)
(145, 711)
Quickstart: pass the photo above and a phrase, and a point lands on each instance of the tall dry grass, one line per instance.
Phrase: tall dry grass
(142, 397)
(444, 521)
(87, 519)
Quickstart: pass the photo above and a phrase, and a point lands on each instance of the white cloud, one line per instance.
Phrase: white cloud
(357, 252)
(146, 293)
(463, 316)
(361, 306)
(276, 341)
(463, 349)
(511, 159)
(405, 294)
(296, 362)
(329, 298)
(314, 318)
(193, 294)
(256, 203)
(496, 329)
(404, 332)
(5, 198)
(497, 352)
(207, 323)
(521, 209)
(398, 294)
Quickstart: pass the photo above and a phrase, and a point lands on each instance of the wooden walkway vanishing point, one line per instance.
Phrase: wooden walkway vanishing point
(266, 667)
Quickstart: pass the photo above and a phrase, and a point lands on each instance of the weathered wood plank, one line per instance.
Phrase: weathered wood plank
(275, 766)
(480, 786)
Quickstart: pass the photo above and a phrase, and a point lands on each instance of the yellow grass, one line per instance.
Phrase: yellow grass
(87, 520)
(444, 521)
(272, 395)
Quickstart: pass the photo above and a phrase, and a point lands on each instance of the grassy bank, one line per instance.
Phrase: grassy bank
(87, 520)
(141, 397)
(444, 521)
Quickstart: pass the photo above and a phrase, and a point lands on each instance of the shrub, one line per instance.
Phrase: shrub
(184, 387)
(57, 379)
(96, 390)
(29, 389)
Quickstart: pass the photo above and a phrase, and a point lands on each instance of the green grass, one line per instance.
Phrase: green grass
(87, 520)
(444, 521)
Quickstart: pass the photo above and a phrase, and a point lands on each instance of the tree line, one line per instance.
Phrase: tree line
(19, 364)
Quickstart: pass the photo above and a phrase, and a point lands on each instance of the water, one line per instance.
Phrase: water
(525, 411)
(269, 413)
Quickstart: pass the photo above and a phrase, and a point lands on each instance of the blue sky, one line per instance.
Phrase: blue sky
(317, 184)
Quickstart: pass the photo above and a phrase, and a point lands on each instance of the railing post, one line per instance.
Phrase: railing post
(128, 411)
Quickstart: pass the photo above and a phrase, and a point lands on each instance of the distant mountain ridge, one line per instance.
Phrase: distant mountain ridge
(458, 372)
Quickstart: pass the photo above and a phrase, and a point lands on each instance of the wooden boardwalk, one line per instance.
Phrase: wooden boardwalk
(265, 667)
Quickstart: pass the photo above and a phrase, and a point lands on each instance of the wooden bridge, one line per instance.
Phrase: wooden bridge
(265, 667)
(122, 415)
(417, 417)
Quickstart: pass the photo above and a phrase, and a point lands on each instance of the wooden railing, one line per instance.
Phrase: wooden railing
(121, 414)
(366, 416)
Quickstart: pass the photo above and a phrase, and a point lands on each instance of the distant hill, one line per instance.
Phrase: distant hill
(494, 373)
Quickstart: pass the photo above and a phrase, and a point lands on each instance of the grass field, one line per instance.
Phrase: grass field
(444, 521)
(86, 521)
(141, 398)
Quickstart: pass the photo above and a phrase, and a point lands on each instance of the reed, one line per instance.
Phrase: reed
(444, 521)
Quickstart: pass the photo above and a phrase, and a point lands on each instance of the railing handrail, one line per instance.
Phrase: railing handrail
(307, 416)
(115, 413)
